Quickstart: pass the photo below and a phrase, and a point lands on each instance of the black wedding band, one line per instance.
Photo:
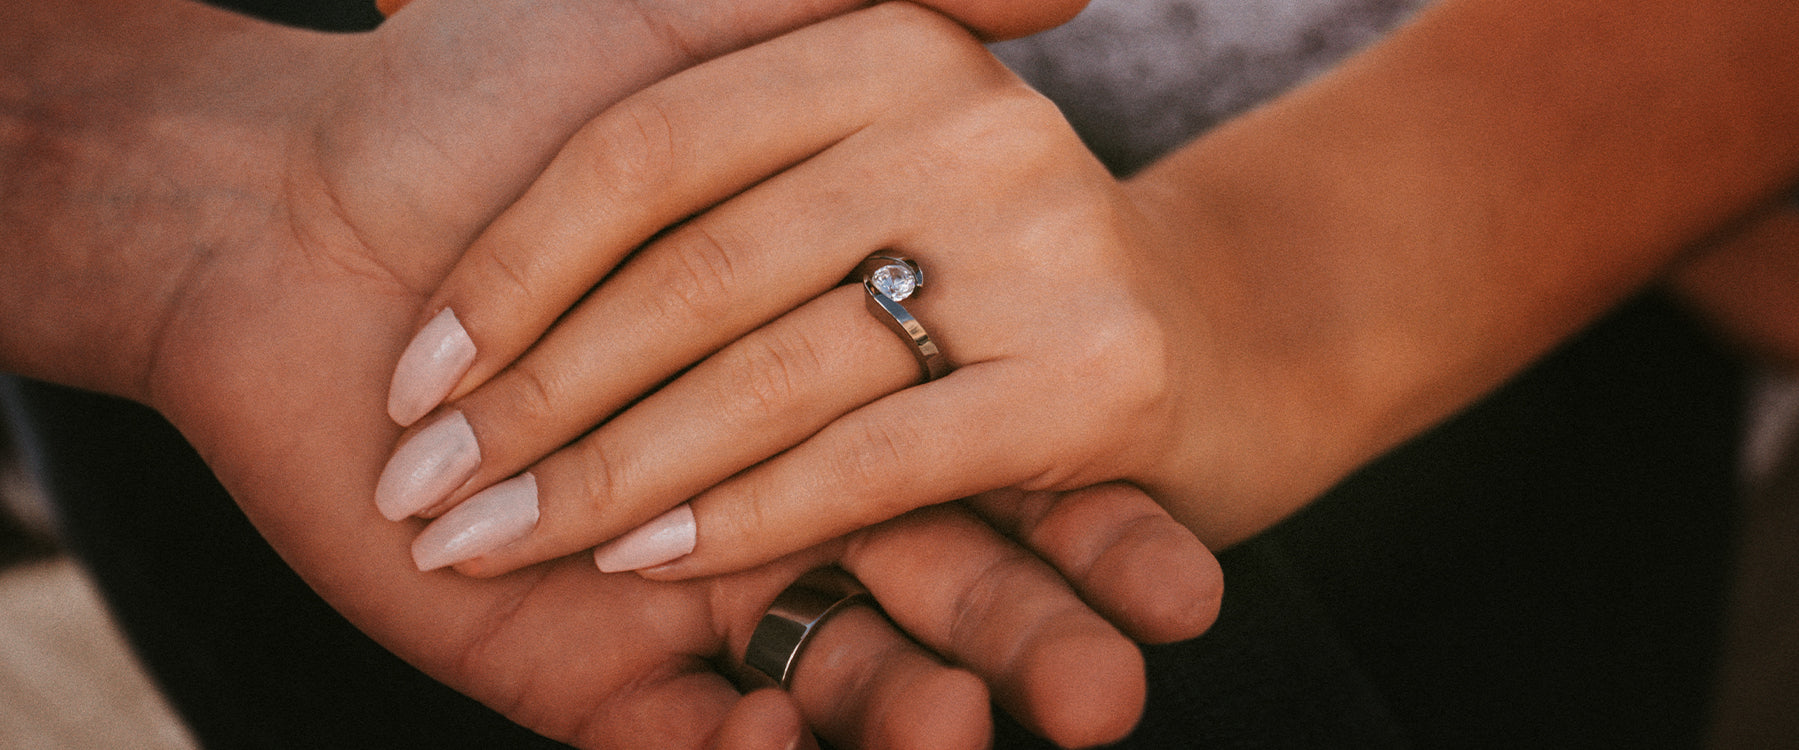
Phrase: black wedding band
(889, 280)
(796, 615)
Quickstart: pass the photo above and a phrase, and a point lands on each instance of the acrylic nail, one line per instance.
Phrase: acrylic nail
(493, 518)
(429, 368)
(664, 538)
(428, 467)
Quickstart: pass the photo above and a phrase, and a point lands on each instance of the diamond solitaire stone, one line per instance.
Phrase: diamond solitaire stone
(896, 280)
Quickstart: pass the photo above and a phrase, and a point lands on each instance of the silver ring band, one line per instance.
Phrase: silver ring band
(888, 280)
(795, 615)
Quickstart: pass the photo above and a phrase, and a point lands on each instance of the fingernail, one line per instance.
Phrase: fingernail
(428, 467)
(429, 368)
(664, 538)
(493, 518)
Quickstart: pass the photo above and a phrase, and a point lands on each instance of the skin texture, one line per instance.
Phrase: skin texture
(237, 225)
(991, 19)
(1234, 329)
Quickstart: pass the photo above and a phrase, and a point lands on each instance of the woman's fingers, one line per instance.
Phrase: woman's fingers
(701, 286)
(691, 292)
(1128, 558)
(951, 438)
(762, 394)
(854, 465)
(660, 156)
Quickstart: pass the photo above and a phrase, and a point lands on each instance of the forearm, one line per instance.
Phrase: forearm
(1405, 233)
(123, 131)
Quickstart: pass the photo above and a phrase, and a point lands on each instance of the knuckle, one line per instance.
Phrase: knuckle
(911, 21)
(771, 372)
(746, 517)
(670, 29)
(1011, 100)
(632, 149)
(1010, 133)
(527, 396)
(1127, 362)
(1115, 372)
(915, 43)
(1147, 383)
(977, 604)
(513, 274)
(598, 479)
(874, 455)
(697, 274)
(1020, 126)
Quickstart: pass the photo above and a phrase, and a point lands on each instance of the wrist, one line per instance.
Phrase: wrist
(1392, 241)
(1268, 413)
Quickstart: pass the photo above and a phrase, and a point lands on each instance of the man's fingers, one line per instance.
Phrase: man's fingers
(860, 682)
(869, 686)
(684, 710)
(1000, 612)
(763, 720)
(1127, 557)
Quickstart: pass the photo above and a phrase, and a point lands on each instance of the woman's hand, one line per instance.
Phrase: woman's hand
(1073, 323)
(1234, 329)
(235, 223)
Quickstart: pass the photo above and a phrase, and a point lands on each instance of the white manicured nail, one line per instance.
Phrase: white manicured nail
(661, 539)
(493, 518)
(437, 357)
(428, 467)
